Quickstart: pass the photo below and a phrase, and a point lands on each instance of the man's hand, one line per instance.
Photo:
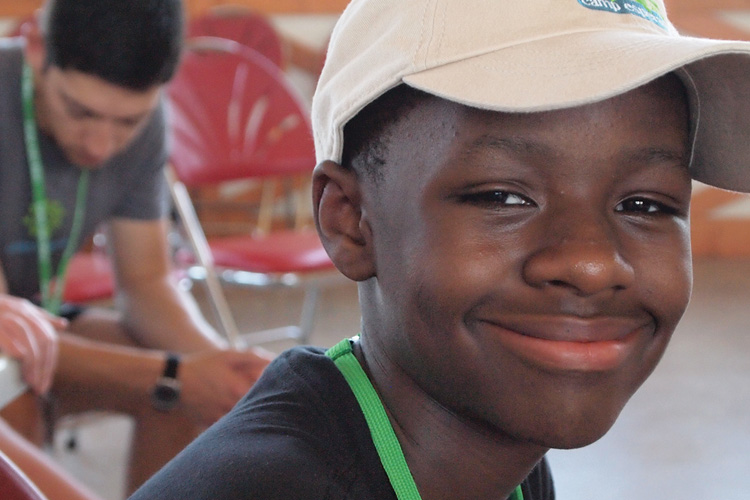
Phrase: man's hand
(213, 381)
(28, 333)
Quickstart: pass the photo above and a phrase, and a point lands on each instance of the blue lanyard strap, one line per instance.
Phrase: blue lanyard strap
(383, 435)
(51, 299)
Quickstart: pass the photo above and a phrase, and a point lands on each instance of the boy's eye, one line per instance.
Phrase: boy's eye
(645, 206)
(496, 197)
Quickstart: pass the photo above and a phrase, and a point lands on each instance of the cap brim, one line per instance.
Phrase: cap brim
(580, 68)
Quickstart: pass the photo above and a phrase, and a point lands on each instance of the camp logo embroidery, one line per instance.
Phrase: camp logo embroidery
(647, 9)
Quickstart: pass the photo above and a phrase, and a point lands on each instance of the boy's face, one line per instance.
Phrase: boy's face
(531, 268)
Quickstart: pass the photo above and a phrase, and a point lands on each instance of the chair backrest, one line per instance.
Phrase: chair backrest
(14, 484)
(234, 116)
(90, 277)
(241, 24)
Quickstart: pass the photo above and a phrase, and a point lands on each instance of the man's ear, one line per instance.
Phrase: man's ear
(341, 221)
(35, 51)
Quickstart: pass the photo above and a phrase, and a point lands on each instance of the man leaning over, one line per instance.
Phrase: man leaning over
(84, 142)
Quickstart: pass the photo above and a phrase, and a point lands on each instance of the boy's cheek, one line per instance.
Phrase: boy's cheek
(666, 281)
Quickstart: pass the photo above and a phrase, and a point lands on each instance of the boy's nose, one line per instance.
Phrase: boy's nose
(582, 257)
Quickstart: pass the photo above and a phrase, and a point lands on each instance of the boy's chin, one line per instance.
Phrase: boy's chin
(573, 442)
(574, 435)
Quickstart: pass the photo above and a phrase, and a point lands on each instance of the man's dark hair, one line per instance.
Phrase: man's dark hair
(131, 43)
(367, 135)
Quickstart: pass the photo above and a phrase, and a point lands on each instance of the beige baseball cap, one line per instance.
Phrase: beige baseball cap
(536, 55)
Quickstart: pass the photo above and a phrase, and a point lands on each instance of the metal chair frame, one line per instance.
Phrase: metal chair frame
(256, 162)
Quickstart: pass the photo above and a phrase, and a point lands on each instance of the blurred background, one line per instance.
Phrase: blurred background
(685, 434)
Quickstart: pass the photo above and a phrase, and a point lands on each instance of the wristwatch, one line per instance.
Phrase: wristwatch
(166, 393)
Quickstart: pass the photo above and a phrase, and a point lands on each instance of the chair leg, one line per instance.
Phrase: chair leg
(307, 319)
(299, 333)
(220, 305)
(270, 335)
(203, 254)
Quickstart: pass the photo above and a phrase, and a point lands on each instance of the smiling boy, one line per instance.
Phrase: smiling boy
(509, 183)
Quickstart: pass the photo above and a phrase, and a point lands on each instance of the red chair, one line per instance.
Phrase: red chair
(14, 484)
(90, 278)
(243, 25)
(235, 117)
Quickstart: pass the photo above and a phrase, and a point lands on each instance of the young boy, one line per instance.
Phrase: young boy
(509, 183)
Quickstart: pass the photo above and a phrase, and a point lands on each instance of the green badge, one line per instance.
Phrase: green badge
(55, 216)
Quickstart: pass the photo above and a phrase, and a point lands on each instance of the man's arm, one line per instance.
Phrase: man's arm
(42, 471)
(155, 311)
(157, 317)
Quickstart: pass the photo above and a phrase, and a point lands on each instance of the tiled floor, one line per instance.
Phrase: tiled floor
(685, 434)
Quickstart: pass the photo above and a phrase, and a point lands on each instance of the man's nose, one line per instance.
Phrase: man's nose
(100, 141)
(581, 254)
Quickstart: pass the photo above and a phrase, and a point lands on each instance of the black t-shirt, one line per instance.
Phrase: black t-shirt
(299, 434)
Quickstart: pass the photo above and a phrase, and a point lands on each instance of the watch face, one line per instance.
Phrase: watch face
(166, 394)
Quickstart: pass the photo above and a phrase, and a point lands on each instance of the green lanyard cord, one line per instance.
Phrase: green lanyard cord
(51, 299)
(383, 436)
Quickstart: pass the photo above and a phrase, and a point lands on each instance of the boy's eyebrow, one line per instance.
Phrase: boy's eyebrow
(73, 103)
(518, 145)
(660, 155)
(511, 144)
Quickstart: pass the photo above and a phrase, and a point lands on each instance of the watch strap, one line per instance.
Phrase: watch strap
(171, 365)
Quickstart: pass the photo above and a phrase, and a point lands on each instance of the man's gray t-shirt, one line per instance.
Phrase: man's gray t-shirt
(131, 185)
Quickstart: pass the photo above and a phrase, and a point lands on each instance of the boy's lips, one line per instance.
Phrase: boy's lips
(571, 344)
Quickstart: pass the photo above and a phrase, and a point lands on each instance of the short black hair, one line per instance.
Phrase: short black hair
(367, 135)
(132, 43)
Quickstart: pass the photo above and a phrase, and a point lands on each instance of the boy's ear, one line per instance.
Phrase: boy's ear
(341, 221)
